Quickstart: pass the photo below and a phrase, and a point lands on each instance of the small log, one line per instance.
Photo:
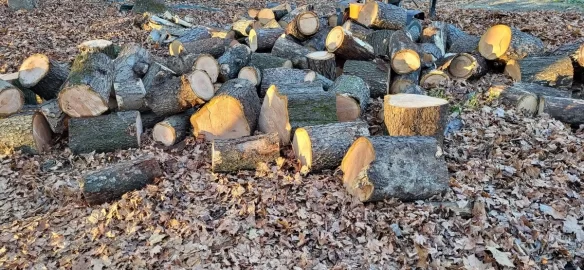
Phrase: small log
(414, 29)
(413, 89)
(401, 82)
(110, 183)
(242, 27)
(373, 73)
(537, 89)
(380, 15)
(232, 113)
(42, 75)
(105, 133)
(231, 155)
(436, 34)
(284, 21)
(429, 54)
(303, 26)
(234, 59)
(153, 6)
(379, 40)
(99, 46)
(318, 41)
(87, 90)
(517, 98)
(281, 76)
(554, 71)
(403, 53)
(467, 66)
(323, 63)
(207, 63)
(434, 78)
(22, 4)
(214, 46)
(173, 95)
(288, 49)
(458, 41)
(131, 64)
(265, 60)
(56, 119)
(11, 99)
(252, 74)
(343, 44)
(156, 72)
(567, 110)
(352, 97)
(415, 115)
(357, 30)
(28, 132)
(507, 43)
(263, 39)
(196, 33)
(383, 167)
(172, 129)
(150, 119)
(322, 147)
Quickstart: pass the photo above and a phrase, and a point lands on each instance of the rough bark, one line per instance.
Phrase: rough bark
(196, 33)
(357, 30)
(342, 43)
(172, 129)
(373, 73)
(22, 4)
(318, 41)
(322, 62)
(554, 71)
(11, 99)
(156, 72)
(284, 21)
(383, 167)
(303, 26)
(379, 40)
(539, 90)
(352, 97)
(46, 84)
(26, 132)
(567, 110)
(403, 53)
(150, 119)
(170, 97)
(214, 46)
(307, 107)
(232, 155)
(99, 46)
(105, 133)
(414, 29)
(458, 41)
(433, 78)
(468, 66)
(436, 34)
(233, 60)
(263, 39)
(252, 74)
(131, 65)
(288, 49)
(576, 52)
(401, 82)
(429, 54)
(413, 89)
(283, 76)
(242, 27)
(517, 98)
(508, 43)
(30, 97)
(380, 15)
(56, 119)
(265, 60)
(153, 6)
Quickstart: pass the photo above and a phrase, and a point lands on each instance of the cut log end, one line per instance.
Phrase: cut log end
(307, 23)
(11, 101)
(274, 115)
(33, 69)
(164, 133)
(41, 132)
(265, 15)
(495, 42)
(228, 125)
(201, 84)
(81, 101)
(302, 147)
(175, 48)
(97, 45)
(348, 109)
(461, 66)
(251, 74)
(208, 63)
(406, 61)
(253, 40)
(354, 167)
(334, 39)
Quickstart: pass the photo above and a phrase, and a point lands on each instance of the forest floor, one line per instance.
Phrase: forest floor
(521, 175)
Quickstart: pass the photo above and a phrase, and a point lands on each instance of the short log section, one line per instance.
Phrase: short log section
(11, 99)
(468, 66)
(42, 75)
(506, 43)
(288, 49)
(172, 129)
(373, 73)
(266, 60)
(57, 120)
(232, 155)
(234, 59)
(567, 110)
(554, 71)
(352, 97)
(344, 44)
(519, 99)
(403, 53)
(323, 63)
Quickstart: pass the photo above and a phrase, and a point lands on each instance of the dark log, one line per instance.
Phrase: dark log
(468, 66)
(567, 110)
(172, 95)
(214, 46)
(576, 52)
(43, 76)
(232, 155)
(373, 73)
(265, 60)
(516, 98)
(196, 33)
(150, 119)
(401, 82)
(288, 49)
(11, 99)
(537, 89)
(156, 72)
(343, 44)
(105, 133)
(379, 40)
(554, 71)
(413, 89)
(234, 59)
(380, 15)
(263, 39)
(56, 119)
(458, 41)
(27, 132)
(352, 97)
(429, 54)
(436, 34)
(323, 63)
(414, 29)
(318, 41)
(403, 53)
(357, 30)
(508, 43)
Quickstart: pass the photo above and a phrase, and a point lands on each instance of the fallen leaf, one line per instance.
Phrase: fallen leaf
(571, 226)
(550, 211)
(502, 258)
(155, 238)
(473, 263)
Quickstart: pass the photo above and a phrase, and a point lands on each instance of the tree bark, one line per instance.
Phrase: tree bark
(282, 76)
(403, 53)
(288, 49)
(234, 59)
(352, 97)
(196, 33)
(156, 73)
(343, 44)
(11, 99)
(307, 107)
(231, 155)
(263, 39)
(56, 119)
(170, 97)
(436, 34)
(357, 30)
(567, 110)
(214, 46)
(27, 132)
(380, 15)
(468, 66)
(374, 74)
(379, 40)
(265, 60)
(458, 41)
(414, 29)
(150, 119)
(576, 52)
(505, 43)
(131, 65)
(537, 89)
(105, 133)
(554, 71)
(434, 78)
(172, 129)
(318, 41)
(46, 84)
(323, 62)
(429, 54)
(399, 83)
(517, 98)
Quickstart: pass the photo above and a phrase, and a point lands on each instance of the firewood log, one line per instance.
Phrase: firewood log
(400, 82)
(265, 60)
(284, 21)
(567, 110)
(429, 54)
(99, 46)
(56, 119)
(110, 183)
(263, 39)
(537, 89)
(28, 132)
(521, 100)
(30, 98)
(172, 129)
(87, 90)
(403, 53)
(105, 133)
(288, 49)
(436, 34)
(467, 66)
(11, 99)
(232, 113)
(342, 43)
(318, 41)
(175, 94)
(207, 63)
(22, 4)
(242, 27)
(43, 76)
(413, 89)
(352, 97)
(130, 66)
(414, 29)
(576, 52)
(433, 78)
(458, 41)
(281, 76)
(379, 40)
(265, 15)
(150, 119)
(357, 30)
(303, 26)
(195, 33)
(252, 74)
(214, 46)
(415, 115)
(383, 167)
(375, 74)
(234, 59)
(507, 43)
(554, 71)
(199, 83)
(231, 155)
(323, 63)
(322, 147)
(273, 24)
(156, 72)
(380, 15)
(253, 13)
(181, 64)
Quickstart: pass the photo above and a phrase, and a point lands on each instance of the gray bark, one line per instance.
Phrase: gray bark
(265, 60)
(131, 64)
(288, 49)
(567, 110)
(354, 87)
(388, 17)
(282, 76)
(234, 59)
(554, 71)
(232, 155)
(22, 4)
(105, 133)
(307, 107)
(55, 117)
(374, 74)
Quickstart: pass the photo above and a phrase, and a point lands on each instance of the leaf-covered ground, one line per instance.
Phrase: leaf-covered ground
(523, 174)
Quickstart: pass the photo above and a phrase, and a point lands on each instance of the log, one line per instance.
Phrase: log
(232, 155)
(87, 90)
(282, 76)
(288, 49)
(414, 29)
(374, 74)
(252, 74)
(207, 63)
(42, 75)
(200, 84)
(354, 10)
(554, 71)
(11, 99)
(318, 41)
(436, 34)
(172, 95)
(265, 60)
(576, 52)
(537, 89)
(468, 66)
(415, 115)
(253, 13)
(507, 43)
(413, 89)
(156, 72)
(567, 110)
(429, 54)
(152, 6)
(401, 82)
(105, 133)
(284, 21)
(130, 66)
(322, 147)
(242, 27)
(214, 46)
(458, 41)
(265, 15)
(434, 78)
(110, 183)
(384, 167)
(196, 33)
(232, 113)
(323, 63)
(150, 119)
(181, 64)
(22, 4)
(517, 98)
(263, 39)
(303, 26)
(99, 46)
(380, 15)
(357, 30)
(56, 119)
(379, 40)
(343, 44)
(234, 59)
(30, 98)
(352, 97)
(25, 132)
(172, 129)
(403, 53)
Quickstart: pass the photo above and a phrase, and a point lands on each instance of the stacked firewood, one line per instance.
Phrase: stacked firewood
(285, 77)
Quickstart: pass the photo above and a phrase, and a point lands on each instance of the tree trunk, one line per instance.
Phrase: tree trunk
(322, 147)
(436, 34)
(11, 99)
(399, 83)
(171, 96)
(234, 59)
(284, 21)
(131, 65)
(415, 115)
(214, 46)
(265, 60)
(576, 52)
(379, 40)
(282, 76)
(318, 41)
(207, 63)
(429, 54)
(99, 46)
(323, 63)
(291, 50)
(87, 90)
(554, 71)
(380, 15)
(56, 119)
(403, 53)
(357, 30)
(303, 26)
(468, 66)
(263, 39)
(252, 74)
(567, 110)
(343, 44)
(507, 43)
(156, 73)
(352, 97)
(232, 155)
(516, 98)
(110, 183)
(384, 167)
(27, 132)
(374, 74)
(414, 28)
(46, 83)
(172, 129)
(434, 78)
(22, 4)
(105, 133)
(232, 113)
(537, 89)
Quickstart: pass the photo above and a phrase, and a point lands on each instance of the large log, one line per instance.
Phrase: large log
(344, 44)
(181, 64)
(42, 75)
(22, 4)
(415, 115)
(214, 46)
(130, 66)
(555, 71)
(231, 155)
(172, 95)
(434, 78)
(263, 39)
(507, 43)
(265, 60)
(567, 110)
(303, 26)
(172, 129)
(521, 100)
(282, 76)
(380, 15)
(384, 167)
(436, 34)
(27, 132)
(458, 41)
(87, 90)
(200, 84)
(352, 97)
(232, 113)
(373, 73)
(401, 82)
(323, 62)
(379, 40)
(575, 51)
(99, 46)
(110, 183)
(357, 30)
(288, 49)
(105, 133)
(467, 66)
(403, 53)
(207, 63)
(11, 99)
(322, 147)
(156, 73)
(234, 59)
(153, 6)
(56, 119)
